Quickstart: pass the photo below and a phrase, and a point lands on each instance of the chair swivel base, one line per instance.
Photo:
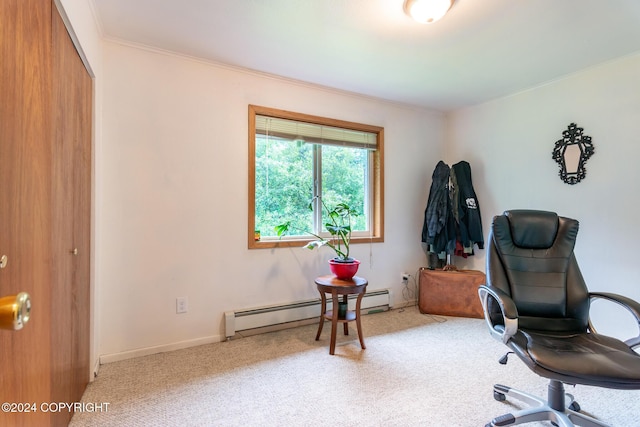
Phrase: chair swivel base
(541, 410)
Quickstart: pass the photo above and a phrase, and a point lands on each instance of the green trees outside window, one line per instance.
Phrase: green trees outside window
(284, 183)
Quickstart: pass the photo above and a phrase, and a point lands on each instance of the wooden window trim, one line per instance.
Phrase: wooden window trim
(377, 190)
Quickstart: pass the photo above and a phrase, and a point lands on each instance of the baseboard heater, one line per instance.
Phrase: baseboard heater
(275, 315)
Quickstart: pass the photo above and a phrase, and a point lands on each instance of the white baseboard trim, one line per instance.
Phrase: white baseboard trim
(146, 351)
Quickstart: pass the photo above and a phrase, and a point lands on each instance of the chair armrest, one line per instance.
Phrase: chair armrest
(631, 305)
(502, 332)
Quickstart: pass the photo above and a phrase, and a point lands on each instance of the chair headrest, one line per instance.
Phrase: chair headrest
(533, 229)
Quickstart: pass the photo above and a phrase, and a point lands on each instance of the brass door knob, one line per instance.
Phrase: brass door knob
(15, 311)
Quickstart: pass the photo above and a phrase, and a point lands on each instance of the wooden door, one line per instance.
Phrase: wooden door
(45, 182)
(72, 100)
(25, 202)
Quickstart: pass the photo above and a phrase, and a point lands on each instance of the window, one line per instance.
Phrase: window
(295, 159)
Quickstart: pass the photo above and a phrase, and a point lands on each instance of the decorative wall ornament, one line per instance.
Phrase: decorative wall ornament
(571, 153)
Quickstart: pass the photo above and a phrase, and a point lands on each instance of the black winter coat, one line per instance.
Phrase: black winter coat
(466, 207)
(438, 230)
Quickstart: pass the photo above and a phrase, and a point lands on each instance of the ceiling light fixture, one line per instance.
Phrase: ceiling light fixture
(427, 11)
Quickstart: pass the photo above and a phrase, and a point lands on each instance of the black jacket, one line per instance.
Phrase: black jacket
(466, 207)
(438, 230)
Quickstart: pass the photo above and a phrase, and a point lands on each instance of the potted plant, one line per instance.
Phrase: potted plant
(339, 227)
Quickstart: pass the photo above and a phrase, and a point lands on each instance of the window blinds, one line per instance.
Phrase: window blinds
(314, 133)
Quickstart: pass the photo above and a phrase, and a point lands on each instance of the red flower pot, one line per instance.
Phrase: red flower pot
(344, 270)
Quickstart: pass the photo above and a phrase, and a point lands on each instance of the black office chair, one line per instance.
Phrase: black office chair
(536, 302)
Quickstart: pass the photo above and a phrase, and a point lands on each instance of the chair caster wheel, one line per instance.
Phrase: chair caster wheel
(574, 406)
(500, 397)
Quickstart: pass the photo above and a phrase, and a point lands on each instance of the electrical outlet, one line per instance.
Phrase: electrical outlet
(405, 277)
(182, 305)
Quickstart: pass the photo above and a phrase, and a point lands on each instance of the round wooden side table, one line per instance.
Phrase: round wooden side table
(332, 285)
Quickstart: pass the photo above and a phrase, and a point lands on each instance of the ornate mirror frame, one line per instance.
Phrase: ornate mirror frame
(571, 153)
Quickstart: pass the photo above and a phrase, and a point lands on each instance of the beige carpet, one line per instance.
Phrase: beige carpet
(417, 370)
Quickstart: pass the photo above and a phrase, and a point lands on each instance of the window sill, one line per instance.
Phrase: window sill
(300, 243)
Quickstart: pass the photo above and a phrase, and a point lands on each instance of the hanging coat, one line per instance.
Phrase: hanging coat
(466, 208)
(438, 230)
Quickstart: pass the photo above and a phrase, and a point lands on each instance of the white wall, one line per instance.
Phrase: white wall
(174, 191)
(509, 143)
(170, 184)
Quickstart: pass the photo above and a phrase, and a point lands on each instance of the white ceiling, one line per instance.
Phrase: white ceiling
(482, 49)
